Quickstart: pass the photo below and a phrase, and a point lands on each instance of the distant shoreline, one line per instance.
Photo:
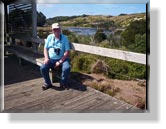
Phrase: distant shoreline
(98, 15)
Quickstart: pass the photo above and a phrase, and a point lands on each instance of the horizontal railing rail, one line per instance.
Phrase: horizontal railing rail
(106, 52)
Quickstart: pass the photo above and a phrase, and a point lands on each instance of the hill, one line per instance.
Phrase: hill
(102, 21)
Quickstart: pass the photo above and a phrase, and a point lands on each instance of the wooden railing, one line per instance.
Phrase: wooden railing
(106, 52)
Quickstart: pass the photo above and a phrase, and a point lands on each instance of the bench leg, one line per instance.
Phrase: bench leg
(55, 76)
(54, 79)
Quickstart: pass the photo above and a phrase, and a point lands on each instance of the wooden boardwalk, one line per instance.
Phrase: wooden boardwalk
(23, 93)
(28, 96)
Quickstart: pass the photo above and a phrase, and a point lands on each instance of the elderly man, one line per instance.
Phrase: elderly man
(56, 53)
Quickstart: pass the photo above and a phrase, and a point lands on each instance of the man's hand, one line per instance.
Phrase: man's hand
(57, 64)
(46, 60)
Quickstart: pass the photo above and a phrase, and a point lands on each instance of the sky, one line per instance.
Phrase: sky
(93, 1)
(52, 10)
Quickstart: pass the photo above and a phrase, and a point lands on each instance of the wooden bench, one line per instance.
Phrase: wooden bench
(33, 57)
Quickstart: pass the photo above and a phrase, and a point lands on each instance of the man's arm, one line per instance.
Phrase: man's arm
(46, 58)
(66, 54)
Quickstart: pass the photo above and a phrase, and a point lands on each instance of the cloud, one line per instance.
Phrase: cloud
(44, 6)
(49, 1)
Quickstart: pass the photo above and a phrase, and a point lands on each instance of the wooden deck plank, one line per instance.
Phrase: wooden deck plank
(91, 105)
(28, 101)
(30, 98)
(113, 105)
(46, 104)
(86, 102)
(36, 97)
(19, 91)
(71, 104)
(100, 100)
(43, 104)
(134, 109)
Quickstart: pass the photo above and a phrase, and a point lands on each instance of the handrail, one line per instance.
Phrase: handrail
(113, 53)
(107, 52)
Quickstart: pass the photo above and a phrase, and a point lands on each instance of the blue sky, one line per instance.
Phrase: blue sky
(52, 10)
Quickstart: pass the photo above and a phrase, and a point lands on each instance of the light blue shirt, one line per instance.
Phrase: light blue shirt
(53, 43)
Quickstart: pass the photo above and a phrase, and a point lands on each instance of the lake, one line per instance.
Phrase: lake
(85, 31)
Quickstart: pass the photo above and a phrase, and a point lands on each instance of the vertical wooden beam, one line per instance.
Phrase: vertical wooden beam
(34, 24)
(6, 18)
(5, 23)
(34, 20)
(2, 55)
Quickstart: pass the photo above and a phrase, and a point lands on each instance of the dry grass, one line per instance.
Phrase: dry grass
(128, 91)
(104, 86)
(142, 83)
(99, 67)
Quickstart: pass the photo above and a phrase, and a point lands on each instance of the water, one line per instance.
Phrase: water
(85, 31)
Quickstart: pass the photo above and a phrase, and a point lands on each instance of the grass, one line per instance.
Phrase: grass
(141, 103)
(121, 21)
(105, 87)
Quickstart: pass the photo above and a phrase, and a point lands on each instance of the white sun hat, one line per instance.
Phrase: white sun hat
(55, 25)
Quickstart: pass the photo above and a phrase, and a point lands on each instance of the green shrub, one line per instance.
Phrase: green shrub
(99, 36)
(105, 44)
(134, 37)
(83, 39)
(120, 69)
(137, 71)
(116, 69)
(140, 43)
(66, 32)
(43, 34)
(83, 63)
(73, 38)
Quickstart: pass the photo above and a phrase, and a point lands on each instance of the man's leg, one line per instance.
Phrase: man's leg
(65, 72)
(44, 69)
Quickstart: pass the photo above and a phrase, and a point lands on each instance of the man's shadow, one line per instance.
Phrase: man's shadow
(75, 82)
